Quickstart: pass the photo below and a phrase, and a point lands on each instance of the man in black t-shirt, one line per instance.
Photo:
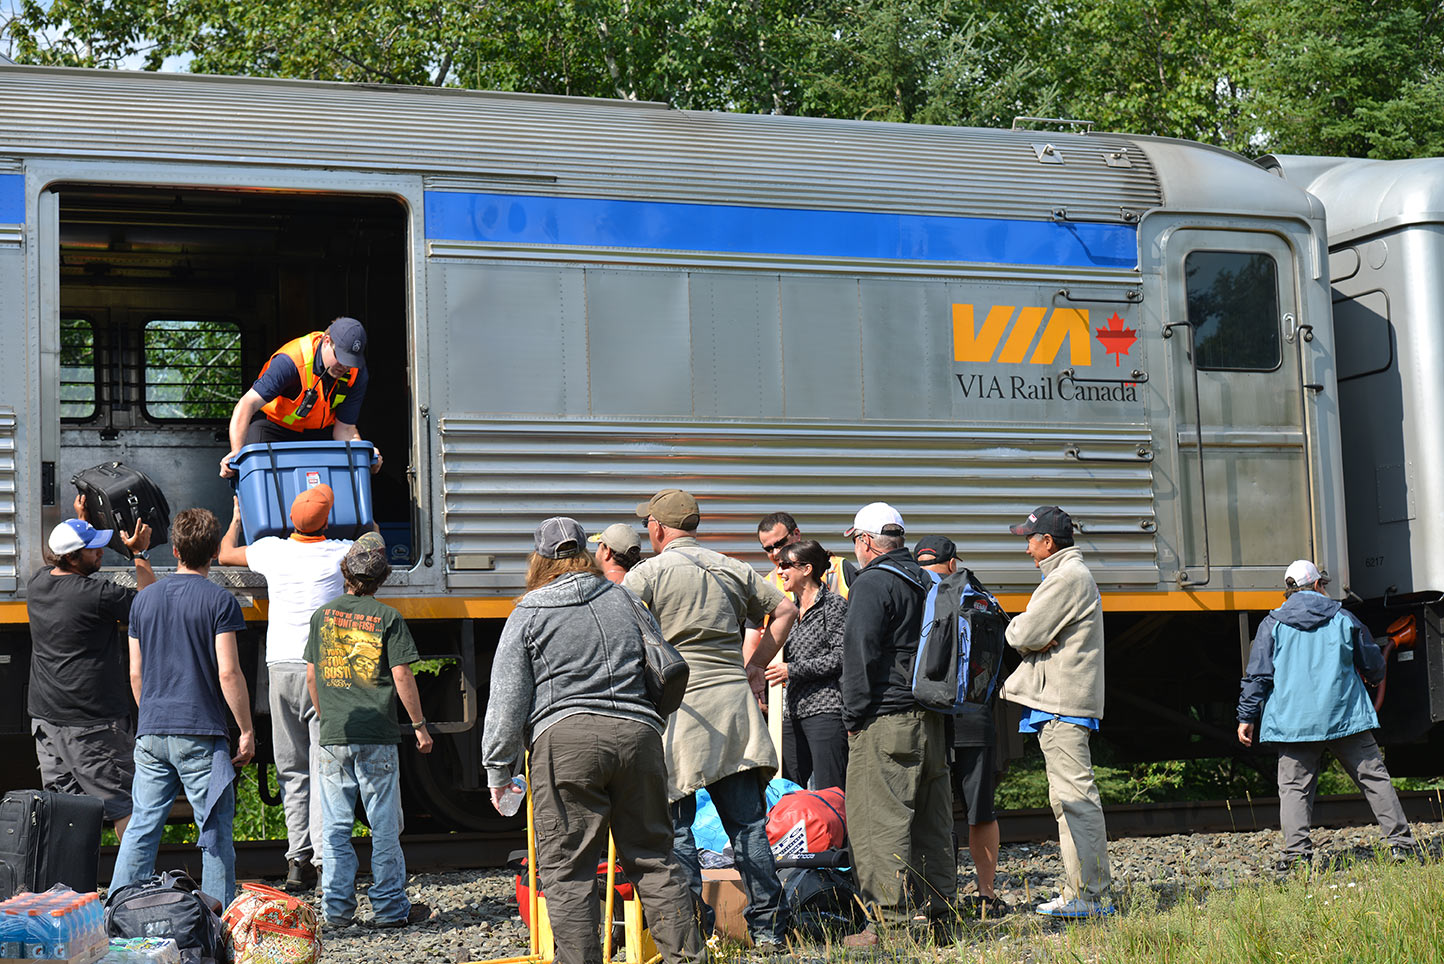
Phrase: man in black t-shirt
(79, 689)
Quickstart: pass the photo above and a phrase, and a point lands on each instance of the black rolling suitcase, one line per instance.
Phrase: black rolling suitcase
(116, 495)
(48, 839)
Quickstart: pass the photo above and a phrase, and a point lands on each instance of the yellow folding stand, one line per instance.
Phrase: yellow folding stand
(639, 947)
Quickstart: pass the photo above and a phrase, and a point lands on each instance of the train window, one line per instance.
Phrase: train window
(77, 368)
(1233, 305)
(192, 368)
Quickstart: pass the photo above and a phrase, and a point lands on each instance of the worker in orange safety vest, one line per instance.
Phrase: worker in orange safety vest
(310, 389)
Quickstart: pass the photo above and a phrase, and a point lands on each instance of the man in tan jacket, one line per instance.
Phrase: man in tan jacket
(1060, 687)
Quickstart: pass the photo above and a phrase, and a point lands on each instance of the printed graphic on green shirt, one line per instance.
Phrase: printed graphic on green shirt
(350, 649)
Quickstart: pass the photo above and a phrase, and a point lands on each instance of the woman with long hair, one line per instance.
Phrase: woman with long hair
(814, 741)
(567, 685)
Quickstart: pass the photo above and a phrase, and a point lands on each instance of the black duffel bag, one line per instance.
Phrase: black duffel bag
(168, 905)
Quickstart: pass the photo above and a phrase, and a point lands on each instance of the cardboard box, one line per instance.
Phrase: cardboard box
(722, 890)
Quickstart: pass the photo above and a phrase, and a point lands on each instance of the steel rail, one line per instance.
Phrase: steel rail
(436, 853)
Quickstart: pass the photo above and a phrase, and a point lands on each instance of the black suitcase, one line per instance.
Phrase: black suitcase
(48, 839)
(116, 495)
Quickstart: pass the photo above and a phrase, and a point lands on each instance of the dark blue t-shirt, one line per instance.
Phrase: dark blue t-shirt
(177, 621)
(281, 378)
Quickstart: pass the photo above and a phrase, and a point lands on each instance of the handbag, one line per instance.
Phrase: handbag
(664, 670)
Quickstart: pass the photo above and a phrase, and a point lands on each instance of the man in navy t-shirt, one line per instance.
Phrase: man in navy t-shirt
(184, 672)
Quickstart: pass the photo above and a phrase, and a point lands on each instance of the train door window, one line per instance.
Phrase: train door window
(193, 369)
(77, 369)
(1233, 306)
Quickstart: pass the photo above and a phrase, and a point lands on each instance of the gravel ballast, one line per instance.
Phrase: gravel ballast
(476, 915)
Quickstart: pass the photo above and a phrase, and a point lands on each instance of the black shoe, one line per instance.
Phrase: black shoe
(300, 875)
(1293, 862)
(987, 908)
(420, 913)
(1405, 854)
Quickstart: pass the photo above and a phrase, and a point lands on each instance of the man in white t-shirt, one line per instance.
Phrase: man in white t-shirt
(302, 573)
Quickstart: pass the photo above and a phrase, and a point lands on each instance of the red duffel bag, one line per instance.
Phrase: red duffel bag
(807, 821)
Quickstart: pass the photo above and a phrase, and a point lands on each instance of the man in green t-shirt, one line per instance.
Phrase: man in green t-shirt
(358, 660)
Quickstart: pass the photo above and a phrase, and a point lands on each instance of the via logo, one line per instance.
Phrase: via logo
(1021, 327)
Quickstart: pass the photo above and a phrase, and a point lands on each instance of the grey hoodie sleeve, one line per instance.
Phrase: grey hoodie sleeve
(508, 708)
(1368, 658)
(1258, 680)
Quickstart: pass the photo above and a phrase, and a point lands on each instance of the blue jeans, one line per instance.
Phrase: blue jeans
(741, 802)
(164, 766)
(367, 770)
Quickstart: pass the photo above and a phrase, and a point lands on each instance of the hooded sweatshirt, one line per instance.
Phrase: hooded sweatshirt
(571, 646)
(1301, 684)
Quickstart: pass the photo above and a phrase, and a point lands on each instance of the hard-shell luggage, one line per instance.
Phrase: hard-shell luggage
(169, 905)
(116, 495)
(48, 839)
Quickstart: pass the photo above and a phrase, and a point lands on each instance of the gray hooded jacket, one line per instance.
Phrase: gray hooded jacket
(572, 646)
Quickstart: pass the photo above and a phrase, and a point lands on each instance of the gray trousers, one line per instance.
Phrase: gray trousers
(591, 774)
(295, 735)
(1073, 794)
(900, 816)
(1299, 765)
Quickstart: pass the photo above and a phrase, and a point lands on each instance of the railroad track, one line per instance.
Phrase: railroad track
(434, 853)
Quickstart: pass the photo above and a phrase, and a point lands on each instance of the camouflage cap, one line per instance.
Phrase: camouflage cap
(366, 559)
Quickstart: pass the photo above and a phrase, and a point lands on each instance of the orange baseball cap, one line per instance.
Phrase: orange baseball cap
(312, 508)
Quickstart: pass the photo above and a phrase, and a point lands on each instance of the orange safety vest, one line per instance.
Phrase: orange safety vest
(282, 410)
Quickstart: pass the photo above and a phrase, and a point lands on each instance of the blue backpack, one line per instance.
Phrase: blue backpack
(961, 644)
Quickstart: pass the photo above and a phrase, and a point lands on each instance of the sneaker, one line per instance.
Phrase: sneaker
(328, 924)
(300, 875)
(768, 947)
(1075, 908)
(419, 914)
(987, 908)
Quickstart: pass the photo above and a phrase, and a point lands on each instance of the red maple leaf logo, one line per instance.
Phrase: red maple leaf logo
(1117, 338)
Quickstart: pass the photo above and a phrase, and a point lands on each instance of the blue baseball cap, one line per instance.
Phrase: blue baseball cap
(74, 534)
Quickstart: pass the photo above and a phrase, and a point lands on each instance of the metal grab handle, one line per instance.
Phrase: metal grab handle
(1181, 576)
(1144, 454)
(1131, 296)
(1136, 377)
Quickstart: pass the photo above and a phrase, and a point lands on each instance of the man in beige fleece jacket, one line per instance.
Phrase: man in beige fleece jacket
(1060, 687)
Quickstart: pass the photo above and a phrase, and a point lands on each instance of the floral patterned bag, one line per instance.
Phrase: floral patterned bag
(266, 926)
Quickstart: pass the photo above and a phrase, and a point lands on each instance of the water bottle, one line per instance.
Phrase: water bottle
(12, 933)
(511, 800)
(36, 934)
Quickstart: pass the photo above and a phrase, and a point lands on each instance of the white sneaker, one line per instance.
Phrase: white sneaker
(1075, 908)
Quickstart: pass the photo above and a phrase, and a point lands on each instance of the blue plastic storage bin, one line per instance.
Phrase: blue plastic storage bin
(272, 474)
(398, 543)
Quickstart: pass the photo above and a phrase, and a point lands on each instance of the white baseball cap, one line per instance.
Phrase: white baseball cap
(874, 518)
(73, 534)
(1302, 572)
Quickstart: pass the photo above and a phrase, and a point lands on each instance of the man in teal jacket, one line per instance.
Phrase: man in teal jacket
(1302, 691)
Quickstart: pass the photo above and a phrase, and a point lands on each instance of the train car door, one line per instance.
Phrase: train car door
(1231, 317)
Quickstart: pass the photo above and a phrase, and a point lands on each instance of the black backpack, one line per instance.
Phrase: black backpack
(168, 905)
(823, 901)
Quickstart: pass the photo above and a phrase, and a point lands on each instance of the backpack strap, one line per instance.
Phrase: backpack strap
(912, 581)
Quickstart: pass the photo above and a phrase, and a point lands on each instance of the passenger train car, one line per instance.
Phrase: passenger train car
(574, 303)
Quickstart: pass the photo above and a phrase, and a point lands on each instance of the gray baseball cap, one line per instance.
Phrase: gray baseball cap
(560, 537)
(619, 537)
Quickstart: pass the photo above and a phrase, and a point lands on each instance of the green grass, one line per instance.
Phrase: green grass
(1365, 913)
(254, 819)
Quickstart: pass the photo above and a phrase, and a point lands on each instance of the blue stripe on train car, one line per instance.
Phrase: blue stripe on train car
(12, 198)
(665, 225)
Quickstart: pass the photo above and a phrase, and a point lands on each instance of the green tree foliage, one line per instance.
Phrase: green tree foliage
(1349, 77)
(1299, 76)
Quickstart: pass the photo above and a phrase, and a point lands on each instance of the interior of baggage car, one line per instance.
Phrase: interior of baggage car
(171, 301)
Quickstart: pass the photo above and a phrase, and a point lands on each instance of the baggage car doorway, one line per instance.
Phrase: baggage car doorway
(169, 300)
(1232, 317)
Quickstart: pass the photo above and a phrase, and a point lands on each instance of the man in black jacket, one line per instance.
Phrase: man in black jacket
(899, 794)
